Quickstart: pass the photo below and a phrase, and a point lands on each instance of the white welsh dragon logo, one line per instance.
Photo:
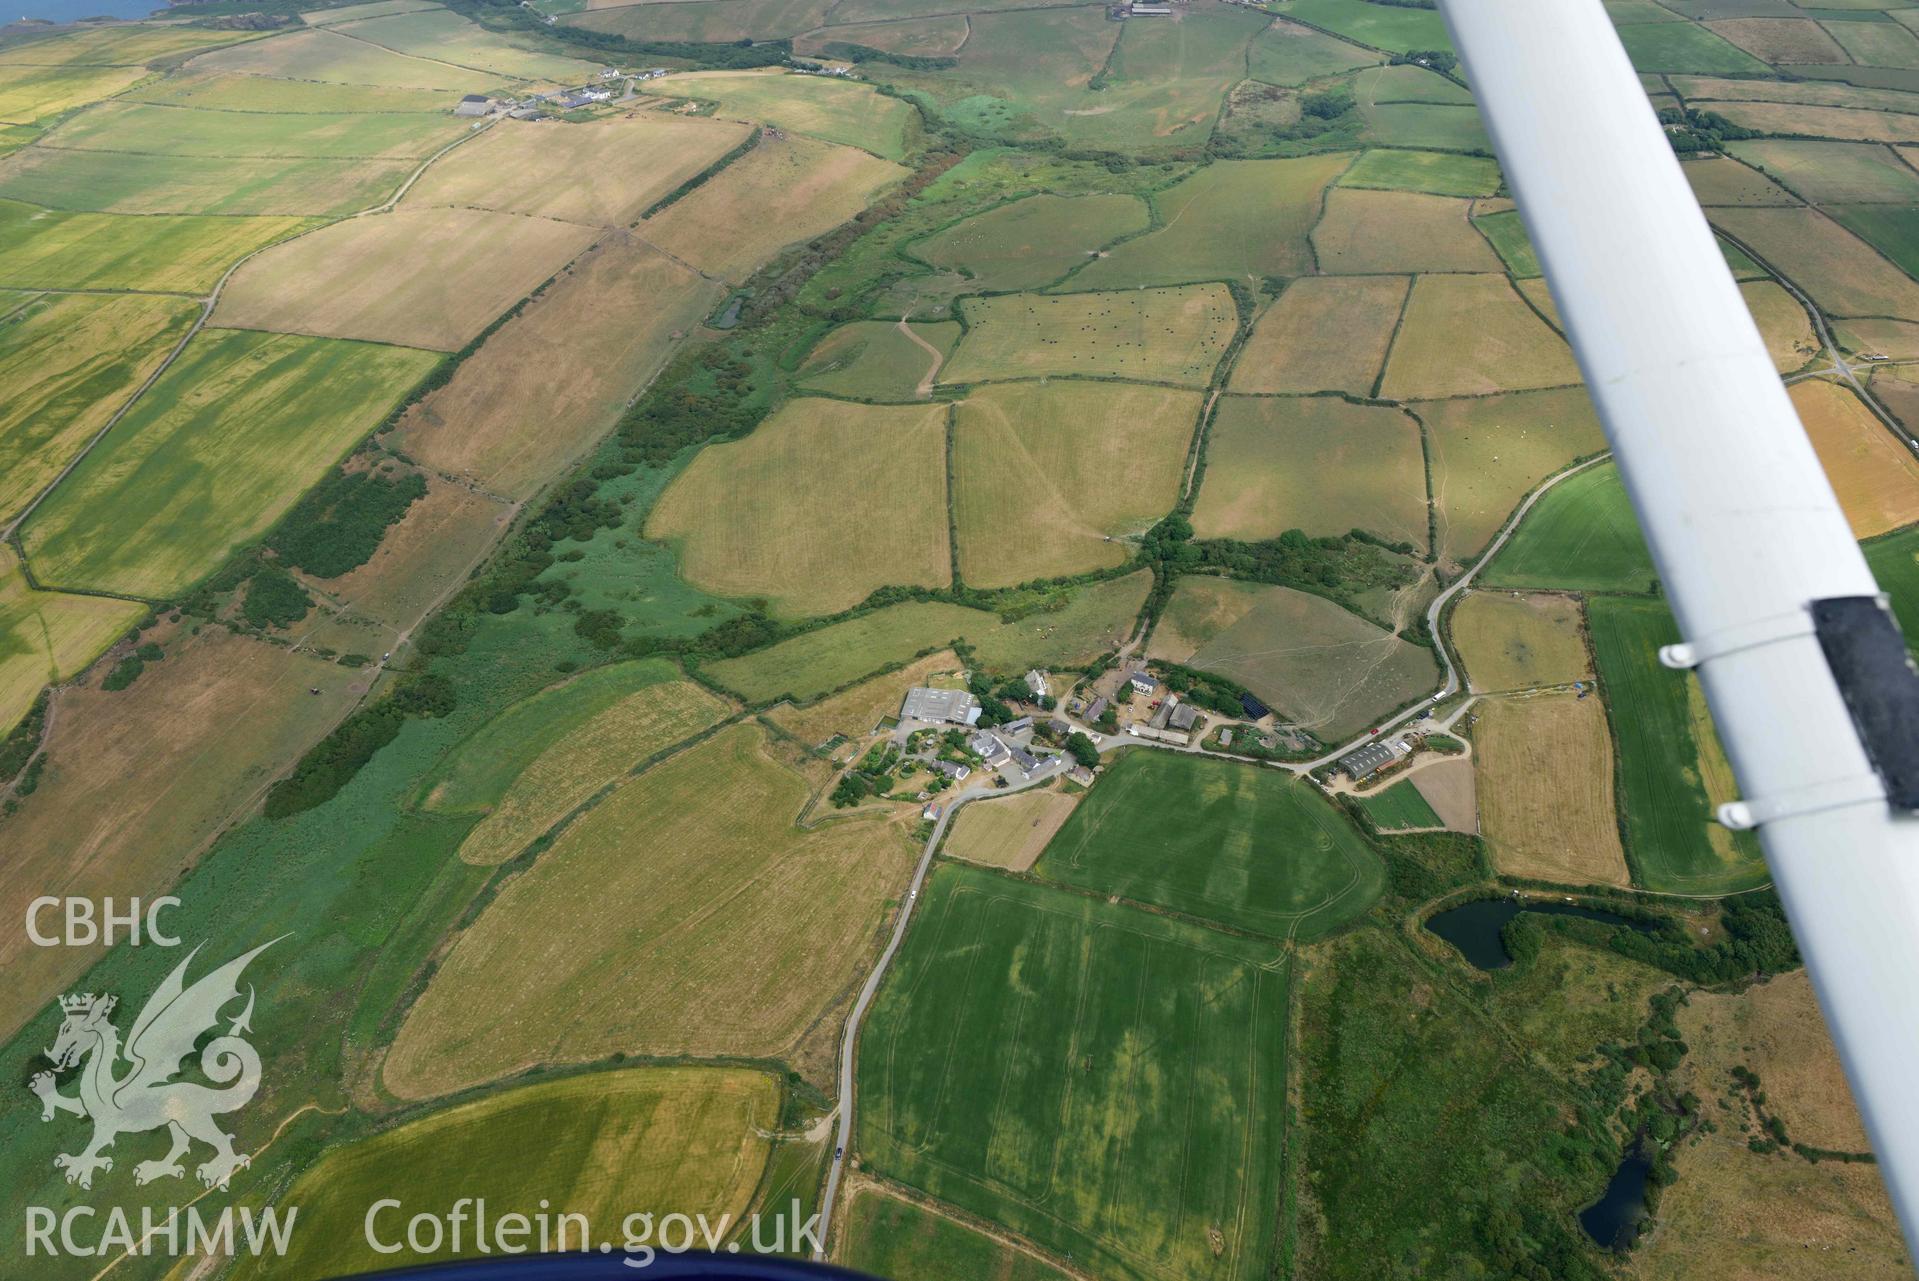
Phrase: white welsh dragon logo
(146, 1096)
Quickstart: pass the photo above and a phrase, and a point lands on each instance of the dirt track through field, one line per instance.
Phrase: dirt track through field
(925, 390)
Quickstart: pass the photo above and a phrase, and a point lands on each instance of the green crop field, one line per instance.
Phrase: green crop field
(48, 636)
(211, 456)
(1096, 1078)
(1394, 29)
(1581, 536)
(1243, 845)
(888, 1236)
(1287, 53)
(29, 94)
(112, 182)
(1895, 564)
(1399, 807)
(1891, 229)
(1438, 172)
(1688, 49)
(1508, 235)
(52, 249)
(1672, 771)
(559, 1147)
(879, 359)
(1151, 335)
(193, 132)
(1233, 219)
(834, 110)
(1032, 242)
(67, 362)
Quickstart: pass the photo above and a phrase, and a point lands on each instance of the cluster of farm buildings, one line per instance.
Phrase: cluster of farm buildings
(534, 105)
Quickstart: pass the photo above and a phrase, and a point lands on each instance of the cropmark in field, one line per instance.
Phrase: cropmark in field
(1151, 335)
(1543, 770)
(1323, 334)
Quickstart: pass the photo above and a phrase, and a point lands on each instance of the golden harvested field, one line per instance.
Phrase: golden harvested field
(1847, 123)
(1783, 323)
(591, 756)
(1544, 774)
(47, 637)
(1009, 831)
(1049, 477)
(1736, 1214)
(685, 914)
(1513, 640)
(1877, 479)
(1153, 335)
(544, 388)
(1780, 39)
(856, 710)
(28, 94)
(429, 278)
(823, 503)
(783, 191)
(1323, 334)
(1448, 788)
(1366, 232)
(1840, 272)
(603, 172)
(1488, 453)
(67, 362)
(137, 781)
(1471, 336)
(423, 557)
(1313, 463)
(330, 57)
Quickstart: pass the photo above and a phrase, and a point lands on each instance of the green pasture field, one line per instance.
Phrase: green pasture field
(1894, 560)
(1488, 452)
(214, 452)
(1289, 54)
(54, 249)
(116, 45)
(1721, 180)
(833, 110)
(1625, 12)
(1508, 235)
(1441, 173)
(193, 132)
(1833, 172)
(1399, 807)
(1672, 771)
(28, 94)
(324, 55)
(1096, 1078)
(850, 11)
(874, 360)
(1391, 28)
(924, 37)
(1690, 50)
(1020, 72)
(1418, 124)
(1581, 536)
(888, 1236)
(1063, 627)
(67, 362)
(1164, 83)
(213, 91)
(1243, 845)
(555, 1148)
(1877, 44)
(1151, 335)
(1032, 242)
(112, 182)
(707, 21)
(1318, 464)
(1313, 662)
(1891, 229)
(1233, 219)
(1841, 272)
(446, 37)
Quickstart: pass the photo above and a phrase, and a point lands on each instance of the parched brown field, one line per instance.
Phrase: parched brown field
(1780, 39)
(1323, 334)
(1448, 788)
(1848, 123)
(46, 637)
(1783, 323)
(1472, 336)
(1735, 1214)
(823, 503)
(137, 780)
(603, 172)
(424, 556)
(783, 191)
(857, 710)
(1487, 453)
(588, 758)
(685, 914)
(1049, 477)
(1537, 292)
(1892, 339)
(1544, 774)
(1010, 831)
(1174, 335)
(1877, 480)
(1840, 272)
(1514, 640)
(1313, 463)
(1365, 231)
(417, 277)
(544, 387)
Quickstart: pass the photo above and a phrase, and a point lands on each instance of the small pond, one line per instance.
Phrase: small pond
(1474, 927)
(1610, 1220)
